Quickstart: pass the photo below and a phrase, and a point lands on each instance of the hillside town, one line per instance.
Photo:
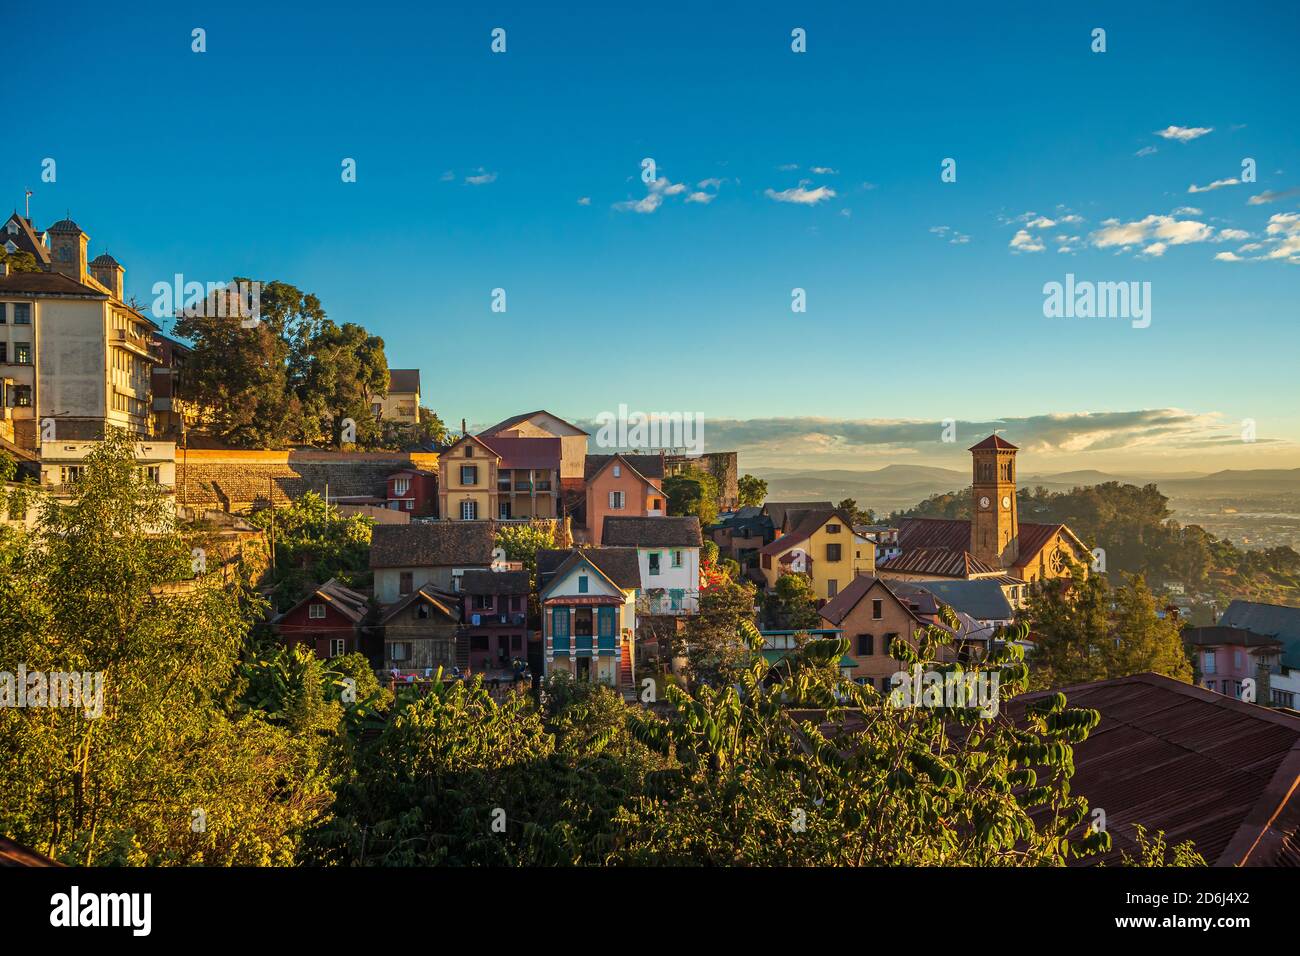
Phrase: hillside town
(518, 555)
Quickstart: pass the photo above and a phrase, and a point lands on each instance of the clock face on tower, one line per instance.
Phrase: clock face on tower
(984, 502)
(1006, 502)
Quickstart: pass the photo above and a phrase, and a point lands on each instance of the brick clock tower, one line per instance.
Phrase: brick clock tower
(994, 528)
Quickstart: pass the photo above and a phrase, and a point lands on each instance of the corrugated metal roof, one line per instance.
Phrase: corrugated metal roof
(1198, 765)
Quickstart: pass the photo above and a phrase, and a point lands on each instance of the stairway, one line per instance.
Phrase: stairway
(462, 652)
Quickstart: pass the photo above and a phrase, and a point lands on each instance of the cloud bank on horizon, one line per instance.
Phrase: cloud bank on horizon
(1073, 439)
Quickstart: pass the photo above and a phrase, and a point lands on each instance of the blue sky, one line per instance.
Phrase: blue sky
(228, 162)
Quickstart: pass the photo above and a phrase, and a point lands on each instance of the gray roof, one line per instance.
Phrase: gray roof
(1230, 636)
(620, 565)
(432, 544)
(648, 466)
(776, 509)
(982, 600)
(494, 582)
(1271, 620)
(679, 532)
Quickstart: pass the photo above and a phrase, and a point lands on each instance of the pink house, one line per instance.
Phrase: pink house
(1225, 657)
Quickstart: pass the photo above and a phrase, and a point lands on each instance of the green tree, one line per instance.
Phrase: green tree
(753, 491)
(693, 492)
(345, 372)
(1144, 641)
(850, 507)
(792, 604)
(20, 261)
(1070, 619)
(159, 769)
(714, 642)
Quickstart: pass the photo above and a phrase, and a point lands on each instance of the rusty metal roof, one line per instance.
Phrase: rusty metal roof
(1198, 765)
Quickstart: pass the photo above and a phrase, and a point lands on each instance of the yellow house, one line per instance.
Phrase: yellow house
(467, 480)
(820, 543)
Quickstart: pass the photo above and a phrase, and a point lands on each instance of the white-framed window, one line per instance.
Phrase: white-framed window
(616, 500)
(399, 651)
(338, 646)
(401, 486)
(1208, 662)
(1236, 659)
(677, 559)
(468, 510)
(618, 471)
(316, 611)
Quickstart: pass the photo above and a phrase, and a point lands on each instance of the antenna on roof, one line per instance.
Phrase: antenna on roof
(28, 217)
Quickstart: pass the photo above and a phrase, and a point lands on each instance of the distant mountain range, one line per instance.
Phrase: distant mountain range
(901, 486)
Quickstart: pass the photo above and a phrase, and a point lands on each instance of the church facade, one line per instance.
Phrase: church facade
(994, 543)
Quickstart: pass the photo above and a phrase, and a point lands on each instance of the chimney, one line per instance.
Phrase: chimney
(1264, 679)
(463, 430)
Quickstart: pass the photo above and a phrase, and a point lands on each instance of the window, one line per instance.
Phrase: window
(69, 474)
(468, 510)
(606, 622)
(22, 313)
(582, 584)
(503, 511)
(423, 612)
(23, 396)
(656, 504)
(399, 651)
(469, 474)
(316, 611)
(1283, 698)
(877, 610)
(4, 349)
(1208, 662)
(618, 471)
(1236, 659)
(4, 306)
(767, 562)
(560, 624)
(654, 562)
(482, 602)
(22, 353)
(1211, 685)
(677, 559)
(833, 552)
(410, 504)
(338, 646)
(832, 529)
(401, 486)
(866, 645)
(582, 622)
(832, 587)
(616, 500)
(675, 596)
(887, 644)
(405, 582)
(469, 451)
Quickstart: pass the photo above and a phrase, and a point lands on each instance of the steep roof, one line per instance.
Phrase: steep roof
(649, 467)
(25, 239)
(432, 544)
(776, 509)
(993, 441)
(1273, 620)
(351, 604)
(953, 534)
(519, 419)
(448, 605)
(837, 608)
(620, 565)
(677, 532)
(403, 380)
(1198, 765)
(809, 520)
(494, 582)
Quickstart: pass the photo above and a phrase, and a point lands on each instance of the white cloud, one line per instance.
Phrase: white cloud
(712, 183)
(1146, 151)
(1155, 249)
(1165, 229)
(824, 171)
(654, 197)
(788, 167)
(1229, 257)
(584, 201)
(1187, 211)
(1270, 195)
(952, 235)
(702, 197)
(481, 178)
(1217, 184)
(1042, 222)
(1231, 235)
(1184, 134)
(801, 195)
(1284, 228)
(1022, 241)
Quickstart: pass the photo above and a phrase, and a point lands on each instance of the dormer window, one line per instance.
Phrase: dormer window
(12, 228)
(10, 247)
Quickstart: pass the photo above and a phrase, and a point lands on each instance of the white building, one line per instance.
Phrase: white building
(668, 558)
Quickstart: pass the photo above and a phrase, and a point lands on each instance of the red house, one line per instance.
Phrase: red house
(414, 491)
(329, 621)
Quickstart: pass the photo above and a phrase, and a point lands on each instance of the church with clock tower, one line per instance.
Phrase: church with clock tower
(994, 543)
